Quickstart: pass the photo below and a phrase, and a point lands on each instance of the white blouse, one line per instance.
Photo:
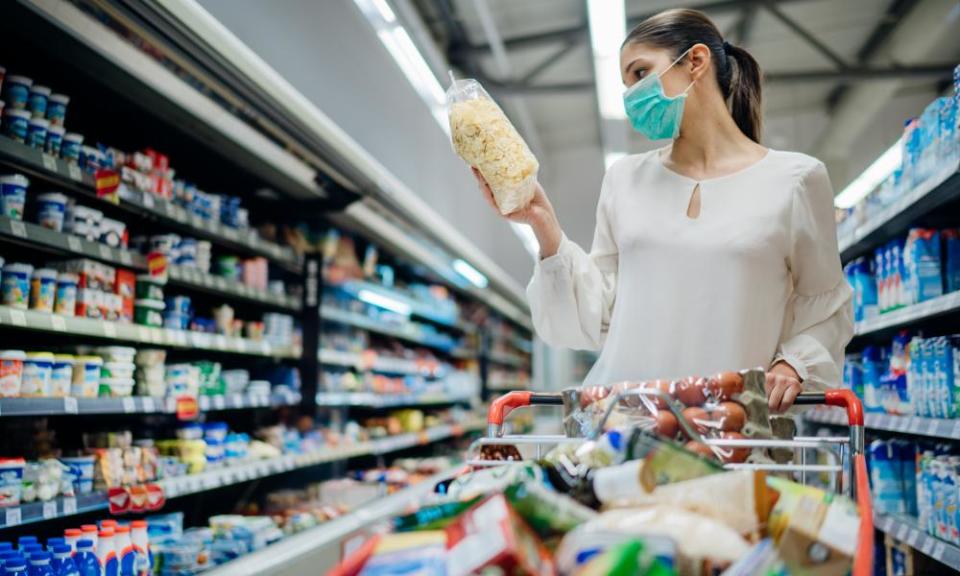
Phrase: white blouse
(753, 280)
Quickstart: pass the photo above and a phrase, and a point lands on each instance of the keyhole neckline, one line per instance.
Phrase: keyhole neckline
(748, 168)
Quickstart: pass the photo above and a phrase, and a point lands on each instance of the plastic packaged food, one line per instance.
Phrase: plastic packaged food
(149, 313)
(37, 133)
(70, 149)
(65, 302)
(51, 208)
(54, 140)
(43, 289)
(484, 137)
(61, 375)
(11, 372)
(16, 123)
(11, 481)
(16, 285)
(17, 91)
(13, 195)
(37, 101)
(86, 376)
(36, 374)
(57, 109)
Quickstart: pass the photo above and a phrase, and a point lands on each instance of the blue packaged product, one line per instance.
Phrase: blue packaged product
(947, 131)
(944, 373)
(40, 564)
(15, 567)
(921, 257)
(915, 376)
(63, 564)
(57, 109)
(880, 276)
(872, 370)
(930, 379)
(86, 559)
(885, 481)
(951, 259)
(26, 541)
(37, 100)
(17, 91)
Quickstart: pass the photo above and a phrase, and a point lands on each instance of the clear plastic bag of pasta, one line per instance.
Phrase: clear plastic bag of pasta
(484, 137)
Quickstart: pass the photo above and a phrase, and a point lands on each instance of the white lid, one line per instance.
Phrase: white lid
(61, 98)
(95, 360)
(57, 130)
(111, 223)
(64, 358)
(41, 356)
(40, 122)
(68, 277)
(117, 350)
(19, 80)
(18, 267)
(17, 112)
(46, 273)
(73, 136)
(147, 303)
(19, 179)
(53, 197)
(123, 382)
(13, 355)
(37, 88)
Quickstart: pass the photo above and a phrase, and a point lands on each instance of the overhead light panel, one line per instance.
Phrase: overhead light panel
(870, 178)
(386, 12)
(384, 301)
(608, 28)
(475, 277)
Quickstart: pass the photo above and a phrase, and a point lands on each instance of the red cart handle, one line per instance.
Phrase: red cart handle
(503, 405)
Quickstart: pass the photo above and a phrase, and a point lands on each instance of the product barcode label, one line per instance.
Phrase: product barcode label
(70, 405)
(74, 243)
(58, 323)
(219, 403)
(105, 252)
(18, 229)
(17, 318)
(938, 551)
(912, 538)
(129, 405)
(901, 532)
(49, 509)
(69, 506)
(125, 258)
(109, 329)
(49, 162)
(914, 425)
(927, 546)
(932, 426)
(74, 172)
(13, 517)
(148, 201)
(149, 405)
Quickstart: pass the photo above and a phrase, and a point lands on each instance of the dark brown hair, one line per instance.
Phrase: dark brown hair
(738, 74)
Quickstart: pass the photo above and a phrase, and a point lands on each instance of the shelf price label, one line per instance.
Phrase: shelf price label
(927, 547)
(938, 551)
(49, 509)
(73, 171)
(70, 405)
(69, 506)
(58, 323)
(13, 517)
(149, 405)
(18, 229)
(219, 403)
(74, 243)
(912, 538)
(49, 162)
(129, 405)
(18, 318)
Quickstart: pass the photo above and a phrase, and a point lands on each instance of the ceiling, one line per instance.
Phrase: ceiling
(551, 69)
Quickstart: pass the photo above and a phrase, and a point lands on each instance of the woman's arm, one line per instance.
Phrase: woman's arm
(571, 293)
(820, 315)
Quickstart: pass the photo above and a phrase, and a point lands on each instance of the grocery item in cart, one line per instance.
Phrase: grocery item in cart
(484, 137)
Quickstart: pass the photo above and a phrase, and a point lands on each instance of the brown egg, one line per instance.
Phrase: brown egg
(663, 386)
(697, 418)
(692, 391)
(667, 424)
(730, 454)
(725, 385)
(731, 416)
(701, 449)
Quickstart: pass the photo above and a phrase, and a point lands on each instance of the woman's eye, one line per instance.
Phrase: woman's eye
(639, 73)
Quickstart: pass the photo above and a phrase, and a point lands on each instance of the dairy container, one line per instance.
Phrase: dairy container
(13, 195)
(51, 208)
(43, 289)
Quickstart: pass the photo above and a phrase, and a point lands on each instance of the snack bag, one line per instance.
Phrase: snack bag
(484, 137)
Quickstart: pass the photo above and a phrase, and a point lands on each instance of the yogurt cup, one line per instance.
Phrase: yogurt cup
(37, 101)
(114, 370)
(36, 374)
(37, 133)
(16, 123)
(65, 302)
(11, 481)
(86, 376)
(82, 468)
(90, 159)
(54, 140)
(148, 312)
(61, 375)
(149, 287)
(70, 149)
(116, 387)
(51, 208)
(57, 109)
(43, 289)
(175, 321)
(88, 303)
(11, 372)
(13, 195)
(17, 91)
(125, 354)
(113, 232)
(16, 285)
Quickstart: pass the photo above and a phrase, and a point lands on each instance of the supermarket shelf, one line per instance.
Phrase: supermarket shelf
(54, 323)
(909, 531)
(507, 386)
(290, 554)
(417, 308)
(404, 332)
(230, 475)
(910, 314)
(914, 425)
(198, 280)
(47, 166)
(372, 400)
(136, 404)
(385, 365)
(942, 187)
(508, 359)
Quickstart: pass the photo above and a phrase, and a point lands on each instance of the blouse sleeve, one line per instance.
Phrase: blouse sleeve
(571, 293)
(819, 321)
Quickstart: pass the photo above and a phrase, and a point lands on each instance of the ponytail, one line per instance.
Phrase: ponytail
(744, 91)
(738, 74)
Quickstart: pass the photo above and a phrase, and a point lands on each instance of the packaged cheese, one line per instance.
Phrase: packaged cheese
(484, 137)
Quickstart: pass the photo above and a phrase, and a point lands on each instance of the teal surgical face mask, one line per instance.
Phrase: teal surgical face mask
(651, 112)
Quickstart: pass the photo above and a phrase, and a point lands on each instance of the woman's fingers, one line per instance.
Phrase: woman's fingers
(782, 391)
(484, 187)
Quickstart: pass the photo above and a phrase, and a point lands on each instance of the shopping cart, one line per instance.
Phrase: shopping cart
(835, 449)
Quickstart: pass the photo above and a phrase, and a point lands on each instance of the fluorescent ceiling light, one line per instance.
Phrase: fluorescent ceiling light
(872, 177)
(608, 28)
(386, 12)
(475, 277)
(385, 302)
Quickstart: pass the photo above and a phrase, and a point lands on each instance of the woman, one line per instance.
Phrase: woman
(712, 253)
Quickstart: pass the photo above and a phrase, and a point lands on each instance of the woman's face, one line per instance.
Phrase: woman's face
(639, 61)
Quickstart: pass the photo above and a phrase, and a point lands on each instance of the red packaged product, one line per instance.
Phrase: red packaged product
(492, 534)
(125, 285)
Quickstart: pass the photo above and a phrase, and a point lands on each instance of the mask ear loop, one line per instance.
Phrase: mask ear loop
(679, 58)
